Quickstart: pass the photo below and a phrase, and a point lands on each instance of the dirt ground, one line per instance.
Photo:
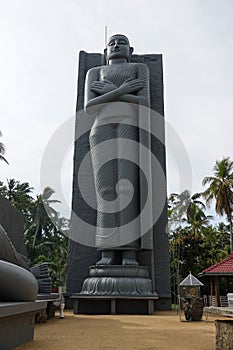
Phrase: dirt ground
(158, 332)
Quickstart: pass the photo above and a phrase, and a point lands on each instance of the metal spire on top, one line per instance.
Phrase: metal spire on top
(190, 280)
(106, 35)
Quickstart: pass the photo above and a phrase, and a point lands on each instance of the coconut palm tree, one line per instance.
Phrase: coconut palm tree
(197, 219)
(44, 214)
(185, 207)
(15, 191)
(2, 151)
(19, 194)
(221, 190)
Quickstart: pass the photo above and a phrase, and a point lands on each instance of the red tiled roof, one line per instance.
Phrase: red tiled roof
(224, 266)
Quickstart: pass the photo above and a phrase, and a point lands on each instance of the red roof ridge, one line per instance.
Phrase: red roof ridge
(221, 266)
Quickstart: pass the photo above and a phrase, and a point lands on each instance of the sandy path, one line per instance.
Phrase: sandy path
(158, 332)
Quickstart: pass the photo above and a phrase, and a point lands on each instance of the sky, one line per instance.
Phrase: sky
(39, 46)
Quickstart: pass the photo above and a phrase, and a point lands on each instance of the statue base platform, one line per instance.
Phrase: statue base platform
(113, 304)
(130, 280)
(116, 289)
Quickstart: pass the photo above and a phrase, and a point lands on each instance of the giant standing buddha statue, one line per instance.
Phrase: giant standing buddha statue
(126, 260)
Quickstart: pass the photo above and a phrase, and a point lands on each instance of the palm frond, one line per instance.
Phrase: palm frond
(4, 159)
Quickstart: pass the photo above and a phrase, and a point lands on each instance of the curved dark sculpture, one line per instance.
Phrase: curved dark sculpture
(114, 92)
(8, 251)
(16, 283)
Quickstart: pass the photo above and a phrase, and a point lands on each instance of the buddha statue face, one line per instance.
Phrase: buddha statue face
(118, 47)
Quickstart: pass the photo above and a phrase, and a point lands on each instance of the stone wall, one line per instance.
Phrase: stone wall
(224, 334)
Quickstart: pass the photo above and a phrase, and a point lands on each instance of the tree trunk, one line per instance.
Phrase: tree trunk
(231, 240)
